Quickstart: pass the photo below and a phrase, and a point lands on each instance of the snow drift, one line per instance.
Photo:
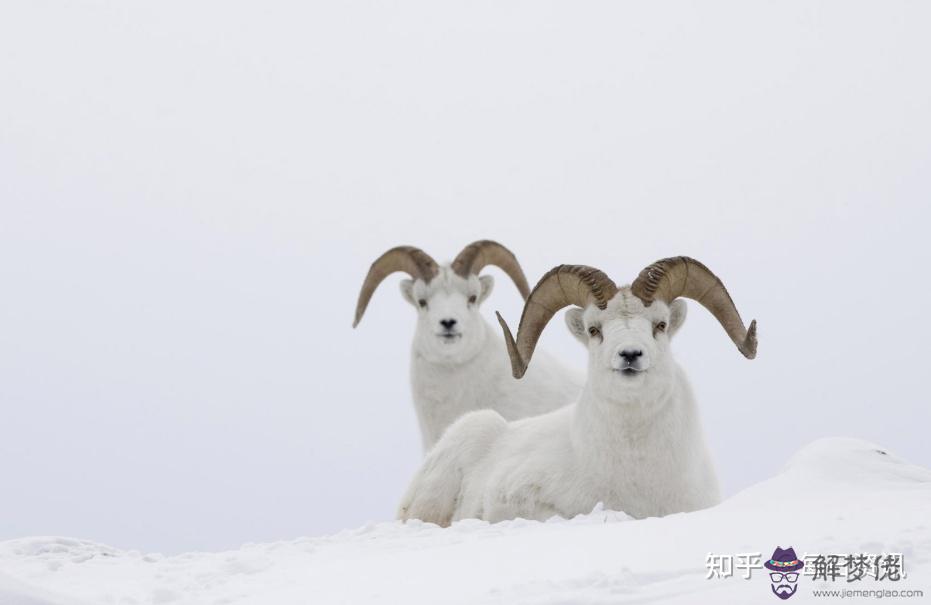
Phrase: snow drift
(834, 496)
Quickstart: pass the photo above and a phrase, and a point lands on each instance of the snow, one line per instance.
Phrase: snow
(836, 495)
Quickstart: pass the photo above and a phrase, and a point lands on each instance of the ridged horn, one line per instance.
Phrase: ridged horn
(562, 286)
(413, 261)
(670, 278)
(477, 255)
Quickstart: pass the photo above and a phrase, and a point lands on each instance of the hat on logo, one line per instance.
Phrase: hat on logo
(784, 561)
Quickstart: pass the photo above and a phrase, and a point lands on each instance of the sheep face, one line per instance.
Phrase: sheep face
(628, 344)
(450, 328)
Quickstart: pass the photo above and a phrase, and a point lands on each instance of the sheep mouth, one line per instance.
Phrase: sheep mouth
(449, 336)
(628, 371)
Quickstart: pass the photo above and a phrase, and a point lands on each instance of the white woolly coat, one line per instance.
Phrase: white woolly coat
(646, 458)
(443, 393)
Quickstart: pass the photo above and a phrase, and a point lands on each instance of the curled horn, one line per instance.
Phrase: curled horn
(413, 261)
(671, 278)
(478, 255)
(562, 286)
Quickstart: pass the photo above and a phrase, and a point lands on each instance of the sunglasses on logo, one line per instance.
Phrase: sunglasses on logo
(791, 578)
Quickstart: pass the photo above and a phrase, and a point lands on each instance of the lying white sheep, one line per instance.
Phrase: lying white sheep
(632, 441)
(458, 363)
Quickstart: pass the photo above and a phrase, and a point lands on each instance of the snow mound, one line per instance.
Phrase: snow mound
(836, 495)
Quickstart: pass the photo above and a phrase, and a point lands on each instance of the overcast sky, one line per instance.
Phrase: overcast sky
(192, 192)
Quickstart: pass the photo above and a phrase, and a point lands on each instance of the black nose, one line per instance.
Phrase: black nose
(448, 323)
(630, 355)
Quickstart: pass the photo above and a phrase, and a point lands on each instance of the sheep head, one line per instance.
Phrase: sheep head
(447, 298)
(626, 330)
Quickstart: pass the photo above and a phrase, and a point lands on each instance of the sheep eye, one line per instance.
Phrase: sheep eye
(422, 303)
(661, 326)
(472, 299)
(593, 331)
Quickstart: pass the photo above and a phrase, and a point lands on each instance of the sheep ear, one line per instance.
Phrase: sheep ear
(677, 312)
(407, 291)
(488, 284)
(576, 324)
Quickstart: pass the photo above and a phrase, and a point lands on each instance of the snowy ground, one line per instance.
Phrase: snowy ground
(834, 496)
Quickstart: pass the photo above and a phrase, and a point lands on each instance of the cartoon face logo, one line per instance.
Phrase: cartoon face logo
(784, 569)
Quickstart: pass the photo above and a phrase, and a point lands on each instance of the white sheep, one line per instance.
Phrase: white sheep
(632, 441)
(458, 362)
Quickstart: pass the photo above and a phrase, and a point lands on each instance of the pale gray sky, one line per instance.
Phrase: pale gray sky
(192, 192)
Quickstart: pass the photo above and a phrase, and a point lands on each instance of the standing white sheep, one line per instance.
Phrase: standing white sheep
(458, 363)
(633, 441)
